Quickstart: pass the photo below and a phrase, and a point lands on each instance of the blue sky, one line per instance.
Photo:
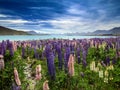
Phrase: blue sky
(60, 16)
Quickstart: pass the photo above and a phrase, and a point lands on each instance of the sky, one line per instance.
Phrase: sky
(60, 16)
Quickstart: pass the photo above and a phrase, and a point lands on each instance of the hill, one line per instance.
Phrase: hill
(7, 31)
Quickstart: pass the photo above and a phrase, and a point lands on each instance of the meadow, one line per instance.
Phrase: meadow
(60, 64)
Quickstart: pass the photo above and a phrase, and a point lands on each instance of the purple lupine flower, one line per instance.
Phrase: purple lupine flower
(3, 48)
(23, 52)
(72, 49)
(59, 51)
(66, 58)
(15, 87)
(78, 55)
(84, 54)
(117, 45)
(11, 49)
(50, 62)
(36, 53)
(65, 63)
(107, 61)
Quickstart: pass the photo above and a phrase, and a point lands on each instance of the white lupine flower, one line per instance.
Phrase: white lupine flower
(101, 73)
(106, 73)
(111, 67)
(106, 80)
(100, 46)
(92, 66)
(2, 65)
(103, 44)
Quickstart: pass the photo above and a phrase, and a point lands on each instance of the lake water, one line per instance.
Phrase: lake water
(37, 37)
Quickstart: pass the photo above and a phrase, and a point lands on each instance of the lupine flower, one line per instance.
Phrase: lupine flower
(110, 67)
(106, 79)
(92, 66)
(15, 87)
(71, 65)
(2, 65)
(14, 45)
(28, 59)
(45, 85)
(107, 61)
(38, 72)
(59, 51)
(36, 53)
(101, 73)
(78, 55)
(72, 48)
(23, 52)
(84, 54)
(16, 77)
(106, 73)
(66, 58)
(50, 62)
(11, 49)
(3, 48)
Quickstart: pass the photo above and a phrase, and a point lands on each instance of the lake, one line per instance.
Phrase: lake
(37, 37)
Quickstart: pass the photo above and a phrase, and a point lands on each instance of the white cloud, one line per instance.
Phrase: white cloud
(2, 15)
(17, 21)
(76, 10)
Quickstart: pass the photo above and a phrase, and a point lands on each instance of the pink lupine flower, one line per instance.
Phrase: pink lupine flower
(45, 85)
(92, 43)
(71, 65)
(119, 54)
(14, 44)
(38, 72)
(2, 65)
(16, 76)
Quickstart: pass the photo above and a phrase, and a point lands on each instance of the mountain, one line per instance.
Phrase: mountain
(113, 31)
(8, 31)
(32, 32)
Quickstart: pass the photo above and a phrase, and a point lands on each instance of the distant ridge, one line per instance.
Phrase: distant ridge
(8, 31)
(113, 31)
(32, 32)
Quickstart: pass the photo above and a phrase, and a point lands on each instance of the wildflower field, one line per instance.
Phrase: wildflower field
(60, 64)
